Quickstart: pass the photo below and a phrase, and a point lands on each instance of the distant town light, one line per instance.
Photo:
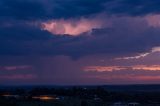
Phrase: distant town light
(45, 97)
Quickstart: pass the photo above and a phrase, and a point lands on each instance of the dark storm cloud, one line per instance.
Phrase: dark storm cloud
(29, 53)
(46, 9)
(21, 9)
(16, 39)
(133, 7)
(22, 31)
(135, 36)
(112, 42)
(19, 37)
(49, 9)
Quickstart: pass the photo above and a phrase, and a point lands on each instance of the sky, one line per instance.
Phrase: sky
(79, 42)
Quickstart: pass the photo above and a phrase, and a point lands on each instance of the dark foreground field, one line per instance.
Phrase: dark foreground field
(135, 95)
(70, 102)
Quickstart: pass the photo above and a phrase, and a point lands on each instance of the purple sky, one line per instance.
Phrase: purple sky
(79, 42)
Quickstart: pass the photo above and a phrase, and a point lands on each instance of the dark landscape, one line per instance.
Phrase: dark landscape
(107, 95)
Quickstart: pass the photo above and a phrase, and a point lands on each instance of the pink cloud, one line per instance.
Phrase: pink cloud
(153, 20)
(13, 68)
(147, 68)
(117, 68)
(71, 26)
(104, 68)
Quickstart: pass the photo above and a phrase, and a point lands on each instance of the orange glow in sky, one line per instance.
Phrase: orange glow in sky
(103, 68)
(149, 68)
(116, 68)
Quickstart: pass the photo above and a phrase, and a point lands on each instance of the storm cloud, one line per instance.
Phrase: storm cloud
(49, 34)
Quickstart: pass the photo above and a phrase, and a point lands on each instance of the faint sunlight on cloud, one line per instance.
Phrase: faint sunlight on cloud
(147, 68)
(117, 68)
(104, 68)
(153, 20)
(130, 78)
(155, 49)
(14, 68)
(72, 27)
